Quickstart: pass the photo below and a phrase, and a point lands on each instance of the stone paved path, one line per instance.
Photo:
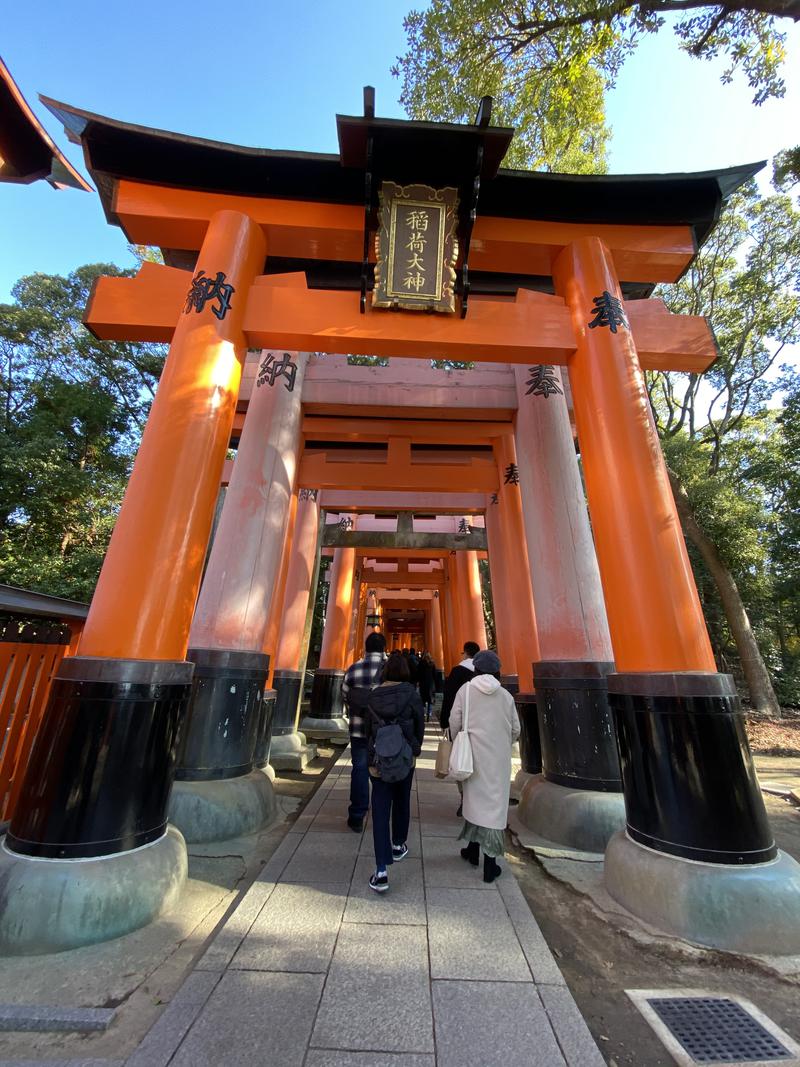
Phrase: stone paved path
(313, 969)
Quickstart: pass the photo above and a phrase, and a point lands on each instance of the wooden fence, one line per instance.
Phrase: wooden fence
(30, 652)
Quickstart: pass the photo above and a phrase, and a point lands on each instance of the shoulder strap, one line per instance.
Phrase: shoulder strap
(466, 710)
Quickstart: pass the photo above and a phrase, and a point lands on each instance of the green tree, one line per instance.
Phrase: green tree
(548, 62)
(715, 428)
(73, 411)
(460, 50)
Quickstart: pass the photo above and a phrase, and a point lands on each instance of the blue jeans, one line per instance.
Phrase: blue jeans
(359, 779)
(390, 799)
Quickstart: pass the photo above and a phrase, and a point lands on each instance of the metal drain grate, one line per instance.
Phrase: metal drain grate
(718, 1030)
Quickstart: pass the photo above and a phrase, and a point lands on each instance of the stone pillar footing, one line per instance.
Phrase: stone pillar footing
(581, 819)
(291, 752)
(222, 809)
(51, 905)
(752, 908)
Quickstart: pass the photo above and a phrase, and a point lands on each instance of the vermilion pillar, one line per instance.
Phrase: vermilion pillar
(100, 774)
(503, 594)
(690, 789)
(470, 599)
(437, 644)
(578, 746)
(325, 718)
(231, 638)
(289, 750)
(451, 610)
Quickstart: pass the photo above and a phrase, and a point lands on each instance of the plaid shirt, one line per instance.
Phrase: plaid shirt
(363, 674)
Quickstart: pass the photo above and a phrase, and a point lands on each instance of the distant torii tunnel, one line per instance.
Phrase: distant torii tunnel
(277, 265)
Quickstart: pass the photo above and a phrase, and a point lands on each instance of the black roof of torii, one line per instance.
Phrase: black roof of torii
(406, 152)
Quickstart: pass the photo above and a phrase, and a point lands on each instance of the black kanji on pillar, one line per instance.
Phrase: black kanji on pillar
(271, 369)
(204, 289)
(608, 311)
(511, 475)
(543, 381)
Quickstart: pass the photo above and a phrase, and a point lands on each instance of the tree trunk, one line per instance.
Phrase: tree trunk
(762, 695)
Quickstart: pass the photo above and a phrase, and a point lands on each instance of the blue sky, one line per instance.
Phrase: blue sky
(275, 74)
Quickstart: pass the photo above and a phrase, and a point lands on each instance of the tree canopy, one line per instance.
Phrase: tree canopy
(548, 62)
(73, 411)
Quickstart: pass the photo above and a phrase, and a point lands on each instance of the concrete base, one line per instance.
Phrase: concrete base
(336, 731)
(580, 819)
(753, 908)
(291, 752)
(216, 811)
(49, 905)
(521, 779)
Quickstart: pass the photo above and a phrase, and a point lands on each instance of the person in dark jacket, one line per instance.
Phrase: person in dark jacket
(359, 680)
(394, 700)
(426, 677)
(461, 674)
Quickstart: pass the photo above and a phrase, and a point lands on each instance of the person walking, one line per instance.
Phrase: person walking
(359, 681)
(395, 700)
(426, 675)
(493, 727)
(462, 673)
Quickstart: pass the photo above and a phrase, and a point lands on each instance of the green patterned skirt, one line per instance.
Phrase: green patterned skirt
(492, 842)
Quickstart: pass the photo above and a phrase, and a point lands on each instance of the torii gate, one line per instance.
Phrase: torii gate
(553, 270)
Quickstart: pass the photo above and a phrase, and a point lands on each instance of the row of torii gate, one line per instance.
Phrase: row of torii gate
(162, 719)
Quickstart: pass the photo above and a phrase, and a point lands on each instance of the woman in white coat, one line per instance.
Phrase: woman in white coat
(493, 727)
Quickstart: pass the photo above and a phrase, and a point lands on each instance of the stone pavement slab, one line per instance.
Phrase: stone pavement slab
(331, 1058)
(444, 867)
(383, 970)
(327, 856)
(404, 905)
(254, 1017)
(471, 936)
(486, 1023)
(296, 932)
(576, 1042)
(40, 1017)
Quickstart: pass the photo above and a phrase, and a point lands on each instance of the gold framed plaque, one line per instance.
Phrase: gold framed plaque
(416, 248)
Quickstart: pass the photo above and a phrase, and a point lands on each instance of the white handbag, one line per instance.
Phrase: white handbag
(461, 756)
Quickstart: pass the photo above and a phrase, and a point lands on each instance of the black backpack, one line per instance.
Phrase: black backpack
(394, 759)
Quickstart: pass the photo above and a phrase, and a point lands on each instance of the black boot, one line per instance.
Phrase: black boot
(471, 853)
(491, 868)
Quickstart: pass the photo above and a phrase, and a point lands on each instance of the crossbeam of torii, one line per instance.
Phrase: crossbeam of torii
(282, 313)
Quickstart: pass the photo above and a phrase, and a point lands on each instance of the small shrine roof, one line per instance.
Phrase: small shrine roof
(27, 152)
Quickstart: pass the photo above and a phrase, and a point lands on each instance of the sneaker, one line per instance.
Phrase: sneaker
(399, 852)
(356, 825)
(379, 884)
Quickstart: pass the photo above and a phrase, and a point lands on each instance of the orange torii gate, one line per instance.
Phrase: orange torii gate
(275, 251)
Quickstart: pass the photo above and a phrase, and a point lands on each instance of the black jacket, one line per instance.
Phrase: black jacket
(456, 678)
(426, 679)
(398, 702)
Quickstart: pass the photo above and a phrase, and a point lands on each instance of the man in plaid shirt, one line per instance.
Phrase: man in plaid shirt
(359, 680)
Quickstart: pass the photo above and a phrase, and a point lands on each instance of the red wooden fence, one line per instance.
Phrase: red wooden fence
(30, 652)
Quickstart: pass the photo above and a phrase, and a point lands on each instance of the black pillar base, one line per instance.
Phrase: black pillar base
(287, 698)
(225, 714)
(326, 695)
(100, 773)
(690, 784)
(510, 682)
(579, 749)
(265, 726)
(530, 748)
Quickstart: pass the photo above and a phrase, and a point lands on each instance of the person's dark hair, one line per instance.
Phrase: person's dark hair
(375, 643)
(396, 669)
(471, 648)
